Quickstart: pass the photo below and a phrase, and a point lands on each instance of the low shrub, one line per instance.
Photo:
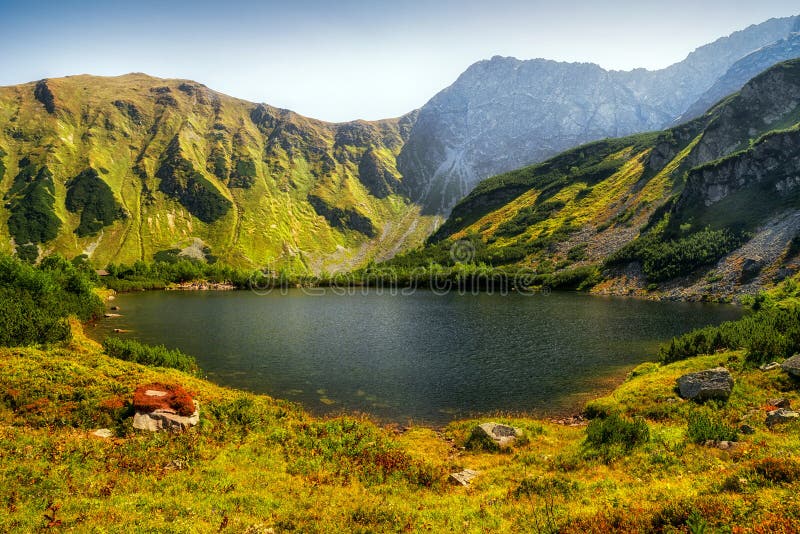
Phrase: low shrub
(778, 470)
(614, 435)
(704, 426)
(153, 355)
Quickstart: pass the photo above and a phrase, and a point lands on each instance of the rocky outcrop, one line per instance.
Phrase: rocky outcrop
(504, 113)
(712, 384)
(742, 71)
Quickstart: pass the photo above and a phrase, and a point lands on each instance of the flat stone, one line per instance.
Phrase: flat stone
(781, 416)
(462, 478)
(502, 435)
(792, 365)
(771, 366)
(155, 393)
(711, 384)
(166, 419)
(111, 315)
(103, 433)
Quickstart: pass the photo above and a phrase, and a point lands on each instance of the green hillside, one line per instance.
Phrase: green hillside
(122, 168)
(711, 207)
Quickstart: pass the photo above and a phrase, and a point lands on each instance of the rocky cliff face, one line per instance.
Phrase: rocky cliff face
(505, 113)
(742, 71)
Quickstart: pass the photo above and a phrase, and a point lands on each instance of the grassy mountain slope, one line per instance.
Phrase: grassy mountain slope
(122, 168)
(717, 196)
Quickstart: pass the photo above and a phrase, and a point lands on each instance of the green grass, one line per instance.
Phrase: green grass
(131, 350)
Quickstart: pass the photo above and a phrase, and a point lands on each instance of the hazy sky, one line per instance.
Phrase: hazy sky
(348, 59)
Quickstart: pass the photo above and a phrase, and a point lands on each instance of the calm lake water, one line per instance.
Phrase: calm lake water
(425, 358)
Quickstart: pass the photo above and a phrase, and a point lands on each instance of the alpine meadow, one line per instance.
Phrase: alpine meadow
(556, 296)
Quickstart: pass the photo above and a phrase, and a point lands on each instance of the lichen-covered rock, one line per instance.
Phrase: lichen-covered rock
(792, 365)
(166, 419)
(712, 384)
(493, 436)
(781, 416)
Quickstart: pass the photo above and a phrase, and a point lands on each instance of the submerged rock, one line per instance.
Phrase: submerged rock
(712, 384)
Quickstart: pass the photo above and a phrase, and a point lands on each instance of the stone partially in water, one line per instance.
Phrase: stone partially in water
(712, 384)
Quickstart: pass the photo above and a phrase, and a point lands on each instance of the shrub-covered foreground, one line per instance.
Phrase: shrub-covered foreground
(255, 464)
(35, 301)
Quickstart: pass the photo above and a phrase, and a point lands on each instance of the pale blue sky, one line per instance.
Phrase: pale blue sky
(349, 59)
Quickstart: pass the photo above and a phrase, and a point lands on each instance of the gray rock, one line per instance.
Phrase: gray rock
(502, 435)
(780, 402)
(462, 478)
(712, 384)
(770, 366)
(166, 419)
(103, 433)
(781, 416)
(747, 429)
(792, 365)
(751, 267)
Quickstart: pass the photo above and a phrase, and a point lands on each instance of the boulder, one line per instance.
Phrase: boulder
(164, 407)
(781, 416)
(751, 267)
(792, 365)
(501, 435)
(462, 478)
(712, 384)
(166, 419)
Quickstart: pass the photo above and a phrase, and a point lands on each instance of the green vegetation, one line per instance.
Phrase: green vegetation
(243, 174)
(153, 355)
(31, 203)
(180, 180)
(35, 302)
(90, 196)
(610, 436)
(766, 335)
(175, 270)
(664, 260)
(706, 425)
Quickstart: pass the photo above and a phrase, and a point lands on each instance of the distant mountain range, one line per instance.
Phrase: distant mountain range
(135, 167)
(710, 207)
(505, 113)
